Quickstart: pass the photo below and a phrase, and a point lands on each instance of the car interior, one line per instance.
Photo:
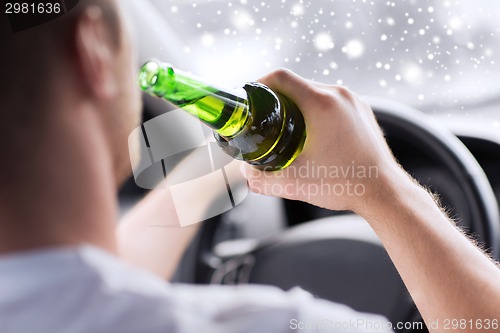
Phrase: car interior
(428, 70)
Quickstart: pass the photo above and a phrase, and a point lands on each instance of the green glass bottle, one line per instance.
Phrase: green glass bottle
(252, 124)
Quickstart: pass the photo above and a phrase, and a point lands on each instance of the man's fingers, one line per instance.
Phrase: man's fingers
(264, 182)
(309, 97)
(291, 85)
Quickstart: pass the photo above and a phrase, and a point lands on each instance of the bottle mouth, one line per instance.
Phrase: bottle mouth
(148, 75)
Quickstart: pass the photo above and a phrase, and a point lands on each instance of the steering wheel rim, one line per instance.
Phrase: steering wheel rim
(458, 159)
(431, 135)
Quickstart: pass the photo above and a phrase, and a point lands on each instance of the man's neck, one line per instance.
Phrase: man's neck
(61, 190)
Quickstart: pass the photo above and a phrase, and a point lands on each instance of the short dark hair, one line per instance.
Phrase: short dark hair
(28, 65)
(29, 53)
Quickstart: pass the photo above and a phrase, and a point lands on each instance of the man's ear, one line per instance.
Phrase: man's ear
(94, 53)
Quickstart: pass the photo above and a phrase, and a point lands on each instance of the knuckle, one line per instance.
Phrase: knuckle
(345, 93)
(281, 74)
(324, 98)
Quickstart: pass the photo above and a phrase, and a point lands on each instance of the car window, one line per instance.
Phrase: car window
(432, 54)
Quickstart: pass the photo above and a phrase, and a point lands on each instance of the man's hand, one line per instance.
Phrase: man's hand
(448, 277)
(345, 156)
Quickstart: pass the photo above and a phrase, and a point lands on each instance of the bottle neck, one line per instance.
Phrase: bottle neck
(225, 110)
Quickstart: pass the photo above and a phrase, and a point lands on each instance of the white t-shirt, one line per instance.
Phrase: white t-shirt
(84, 289)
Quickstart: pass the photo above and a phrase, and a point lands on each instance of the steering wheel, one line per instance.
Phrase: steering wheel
(339, 258)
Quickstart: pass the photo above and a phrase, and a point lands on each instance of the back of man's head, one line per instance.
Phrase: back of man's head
(30, 58)
(62, 58)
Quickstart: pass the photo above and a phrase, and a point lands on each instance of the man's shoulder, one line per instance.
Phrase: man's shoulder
(88, 290)
(80, 289)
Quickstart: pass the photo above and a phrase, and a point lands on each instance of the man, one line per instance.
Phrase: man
(70, 101)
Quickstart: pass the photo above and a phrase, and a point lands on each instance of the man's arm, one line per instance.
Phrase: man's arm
(148, 236)
(446, 274)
